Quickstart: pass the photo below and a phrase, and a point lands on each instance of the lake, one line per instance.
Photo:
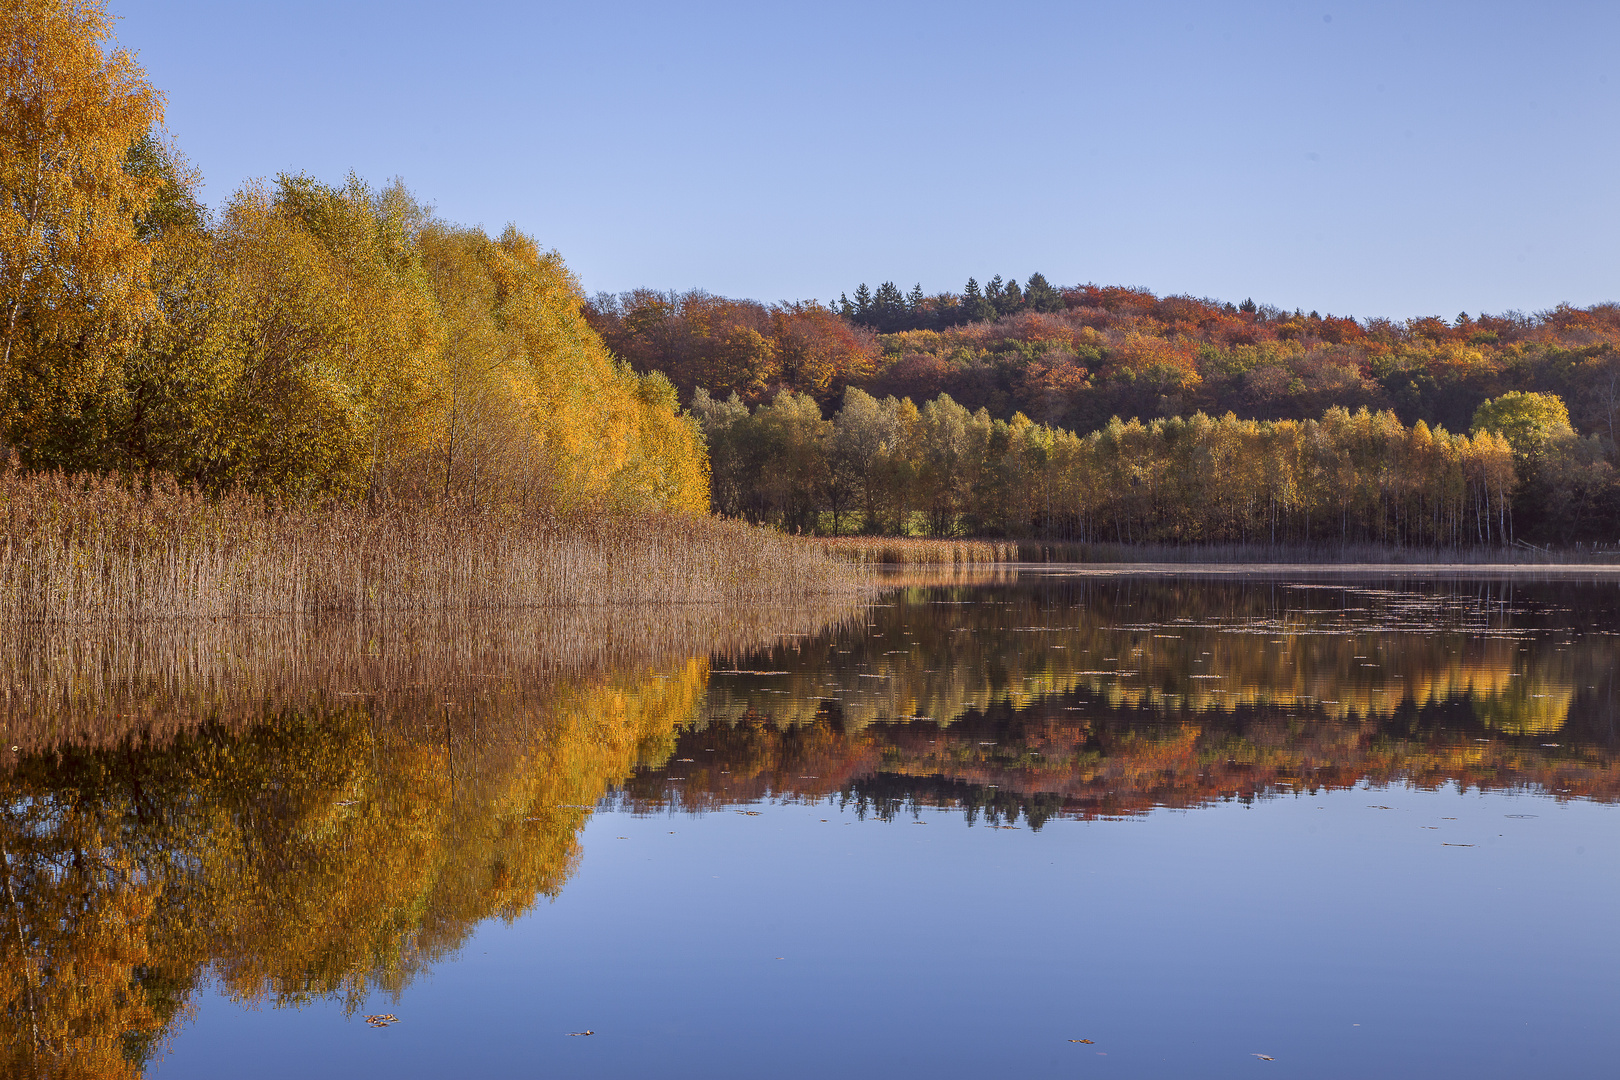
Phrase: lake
(1060, 822)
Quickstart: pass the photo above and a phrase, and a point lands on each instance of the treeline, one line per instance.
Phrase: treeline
(888, 466)
(1113, 351)
(306, 340)
(888, 312)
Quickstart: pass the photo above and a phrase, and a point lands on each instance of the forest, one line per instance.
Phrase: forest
(887, 466)
(315, 342)
(308, 340)
(1077, 413)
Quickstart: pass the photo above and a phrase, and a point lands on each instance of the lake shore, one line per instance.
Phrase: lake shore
(925, 551)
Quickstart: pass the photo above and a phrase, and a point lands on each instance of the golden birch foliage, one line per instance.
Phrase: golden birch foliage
(522, 398)
(72, 269)
(288, 354)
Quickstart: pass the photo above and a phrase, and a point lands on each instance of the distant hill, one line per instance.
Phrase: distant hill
(1075, 356)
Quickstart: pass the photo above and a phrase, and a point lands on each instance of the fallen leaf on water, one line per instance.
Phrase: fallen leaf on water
(1263, 1057)
(571, 1033)
(382, 1019)
(1088, 1042)
(1456, 845)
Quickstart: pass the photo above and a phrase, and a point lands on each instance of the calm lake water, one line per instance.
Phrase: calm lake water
(1146, 825)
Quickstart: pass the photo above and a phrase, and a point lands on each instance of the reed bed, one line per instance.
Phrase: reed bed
(907, 551)
(97, 550)
(1378, 554)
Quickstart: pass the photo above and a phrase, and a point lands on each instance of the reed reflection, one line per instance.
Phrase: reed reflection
(291, 811)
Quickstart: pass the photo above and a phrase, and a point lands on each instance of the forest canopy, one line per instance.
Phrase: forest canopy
(308, 339)
(1066, 374)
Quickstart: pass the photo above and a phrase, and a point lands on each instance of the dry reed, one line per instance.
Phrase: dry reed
(96, 550)
(908, 551)
(1031, 551)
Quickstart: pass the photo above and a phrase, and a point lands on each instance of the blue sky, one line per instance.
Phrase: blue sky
(1360, 159)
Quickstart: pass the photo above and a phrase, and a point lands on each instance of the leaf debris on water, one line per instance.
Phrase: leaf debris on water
(381, 1020)
(1088, 1042)
(1263, 1057)
(574, 1033)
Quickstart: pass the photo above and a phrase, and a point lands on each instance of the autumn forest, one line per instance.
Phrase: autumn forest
(1092, 413)
(315, 341)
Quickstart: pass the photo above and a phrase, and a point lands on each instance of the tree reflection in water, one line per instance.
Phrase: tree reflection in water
(327, 813)
(292, 812)
(1106, 696)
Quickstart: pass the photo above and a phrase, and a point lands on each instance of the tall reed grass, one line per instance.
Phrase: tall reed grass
(93, 549)
(1320, 553)
(910, 551)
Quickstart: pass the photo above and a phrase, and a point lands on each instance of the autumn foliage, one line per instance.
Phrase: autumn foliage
(311, 340)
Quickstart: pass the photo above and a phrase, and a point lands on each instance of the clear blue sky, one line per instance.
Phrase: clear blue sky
(1365, 159)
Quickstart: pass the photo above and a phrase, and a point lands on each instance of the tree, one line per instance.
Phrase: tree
(73, 269)
(1529, 421)
(1011, 301)
(888, 313)
(977, 306)
(1041, 296)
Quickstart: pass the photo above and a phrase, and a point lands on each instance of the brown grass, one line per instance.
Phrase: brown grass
(898, 551)
(96, 550)
(1324, 553)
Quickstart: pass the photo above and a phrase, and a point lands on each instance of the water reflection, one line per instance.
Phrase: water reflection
(293, 813)
(290, 811)
(1109, 696)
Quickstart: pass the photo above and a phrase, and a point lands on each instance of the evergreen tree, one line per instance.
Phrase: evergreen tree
(914, 300)
(1012, 299)
(889, 308)
(863, 304)
(1040, 295)
(976, 306)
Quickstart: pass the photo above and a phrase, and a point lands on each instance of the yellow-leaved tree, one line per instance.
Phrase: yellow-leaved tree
(522, 400)
(73, 286)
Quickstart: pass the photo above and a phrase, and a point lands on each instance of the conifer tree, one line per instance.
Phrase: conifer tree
(1041, 296)
(1012, 299)
(976, 305)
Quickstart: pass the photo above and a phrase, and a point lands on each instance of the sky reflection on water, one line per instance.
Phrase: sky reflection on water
(1359, 827)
